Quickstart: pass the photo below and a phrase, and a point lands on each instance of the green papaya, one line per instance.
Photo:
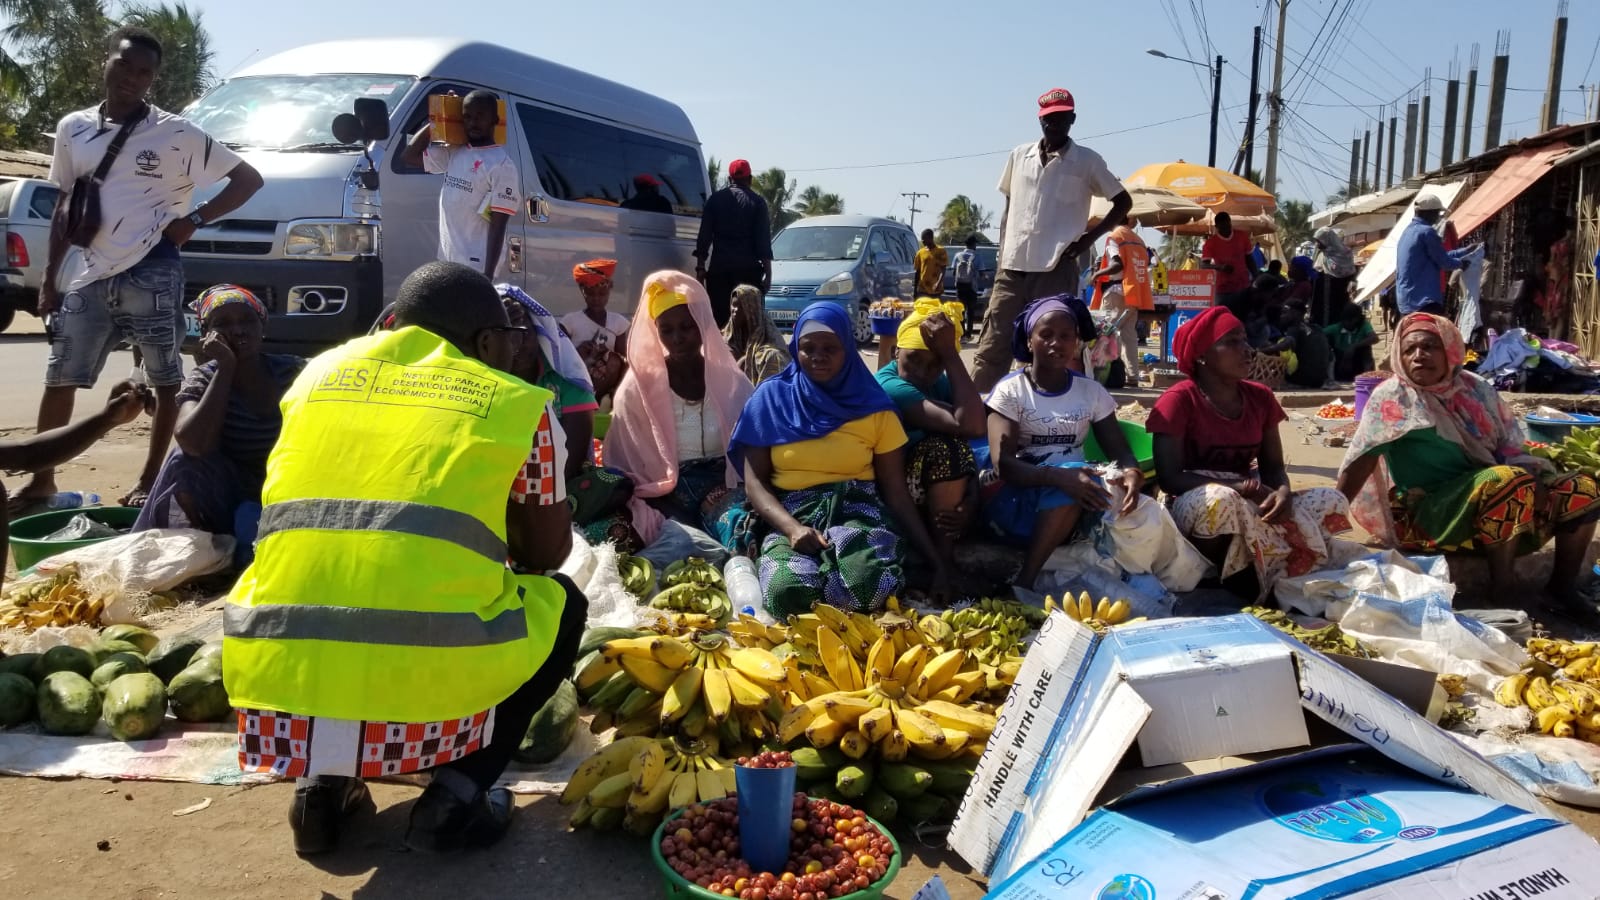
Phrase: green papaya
(104, 649)
(24, 664)
(63, 658)
(209, 650)
(68, 703)
(134, 706)
(115, 666)
(197, 694)
(142, 638)
(881, 805)
(17, 699)
(551, 728)
(172, 655)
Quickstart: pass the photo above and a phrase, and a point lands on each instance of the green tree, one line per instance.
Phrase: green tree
(1294, 223)
(1176, 248)
(714, 173)
(186, 65)
(960, 218)
(778, 189)
(814, 202)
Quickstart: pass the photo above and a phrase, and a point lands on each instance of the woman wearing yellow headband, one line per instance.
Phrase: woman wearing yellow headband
(675, 406)
(942, 411)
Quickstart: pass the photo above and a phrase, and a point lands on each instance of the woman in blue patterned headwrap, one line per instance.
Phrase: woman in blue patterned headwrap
(228, 420)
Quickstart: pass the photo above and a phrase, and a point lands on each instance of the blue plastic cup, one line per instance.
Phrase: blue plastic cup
(766, 811)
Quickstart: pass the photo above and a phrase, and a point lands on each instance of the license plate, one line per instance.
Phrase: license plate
(783, 318)
(192, 322)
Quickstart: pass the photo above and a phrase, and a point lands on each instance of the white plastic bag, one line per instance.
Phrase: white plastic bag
(148, 561)
(1147, 540)
(1382, 573)
(609, 603)
(1425, 632)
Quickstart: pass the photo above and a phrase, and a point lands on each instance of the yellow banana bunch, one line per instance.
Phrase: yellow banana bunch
(672, 685)
(1560, 653)
(1097, 615)
(59, 600)
(749, 631)
(633, 782)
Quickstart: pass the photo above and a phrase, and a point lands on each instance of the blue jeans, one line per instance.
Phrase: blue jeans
(139, 305)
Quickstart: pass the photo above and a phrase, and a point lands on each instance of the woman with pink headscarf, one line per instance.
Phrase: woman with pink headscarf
(676, 406)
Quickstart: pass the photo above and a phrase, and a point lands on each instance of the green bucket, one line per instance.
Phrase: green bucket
(28, 546)
(676, 886)
(602, 424)
(1139, 441)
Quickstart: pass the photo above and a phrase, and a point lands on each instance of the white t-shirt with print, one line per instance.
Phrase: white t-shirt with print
(477, 181)
(151, 183)
(1052, 427)
(583, 329)
(1048, 203)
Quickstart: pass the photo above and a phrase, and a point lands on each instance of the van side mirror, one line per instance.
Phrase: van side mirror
(346, 128)
(374, 116)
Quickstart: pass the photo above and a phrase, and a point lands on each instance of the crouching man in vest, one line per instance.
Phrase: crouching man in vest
(380, 630)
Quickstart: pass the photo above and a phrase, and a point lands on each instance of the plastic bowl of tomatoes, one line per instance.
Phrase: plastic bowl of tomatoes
(1336, 413)
(837, 851)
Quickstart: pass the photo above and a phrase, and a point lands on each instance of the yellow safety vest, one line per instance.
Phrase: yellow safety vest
(380, 590)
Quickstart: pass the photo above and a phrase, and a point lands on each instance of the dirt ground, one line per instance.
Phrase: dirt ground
(52, 832)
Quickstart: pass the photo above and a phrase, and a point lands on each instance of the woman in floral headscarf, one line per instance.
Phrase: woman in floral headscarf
(228, 420)
(1440, 463)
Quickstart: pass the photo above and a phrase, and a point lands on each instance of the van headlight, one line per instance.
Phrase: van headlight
(839, 284)
(331, 239)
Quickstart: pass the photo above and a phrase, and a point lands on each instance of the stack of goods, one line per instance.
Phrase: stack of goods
(1328, 638)
(60, 599)
(891, 309)
(129, 679)
(1561, 688)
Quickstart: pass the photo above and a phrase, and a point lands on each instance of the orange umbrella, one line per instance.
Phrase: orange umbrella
(1364, 255)
(1215, 189)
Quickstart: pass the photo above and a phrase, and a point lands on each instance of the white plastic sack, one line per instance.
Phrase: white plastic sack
(1147, 540)
(580, 561)
(1561, 769)
(1078, 566)
(609, 603)
(1384, 573)
(1426, 633)
(148, 561)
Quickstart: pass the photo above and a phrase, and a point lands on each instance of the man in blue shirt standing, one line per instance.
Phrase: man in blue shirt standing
(1421, 258)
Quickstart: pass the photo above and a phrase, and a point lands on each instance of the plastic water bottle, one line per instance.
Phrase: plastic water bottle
(744, 588)
(72, 500)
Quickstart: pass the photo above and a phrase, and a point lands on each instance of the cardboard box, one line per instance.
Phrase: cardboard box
(1343, 822)
(444, 114)
(1215, 687)
(1074, 716)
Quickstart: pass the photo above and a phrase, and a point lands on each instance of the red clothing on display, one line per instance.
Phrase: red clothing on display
(1229, 251)
(1212, 442)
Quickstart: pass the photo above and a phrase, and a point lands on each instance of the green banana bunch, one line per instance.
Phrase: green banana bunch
(695, 570)
(638, 576)
(695, 597)
(1328, 639)
(987, 634)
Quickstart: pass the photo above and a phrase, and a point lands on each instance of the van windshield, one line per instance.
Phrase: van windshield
(288, 112)
(823, 242)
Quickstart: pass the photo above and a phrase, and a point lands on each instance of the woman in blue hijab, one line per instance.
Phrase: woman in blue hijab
(822, 451)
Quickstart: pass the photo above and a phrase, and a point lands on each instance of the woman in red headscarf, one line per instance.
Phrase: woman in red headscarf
(599, 334)
(1440, 463)
(1218, 452)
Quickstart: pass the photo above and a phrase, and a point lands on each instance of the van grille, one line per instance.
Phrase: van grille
(242, 237)
(793, 290)
(235, 248)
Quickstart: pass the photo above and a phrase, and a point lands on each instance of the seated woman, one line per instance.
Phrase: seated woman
(1440, 463)
(942, 411)
(823, 458)
(1039, 416)
(1351, 339)
(547, 358)
(228, 421)
(756, 342)
(600, 335)
(676, 406)
(1218, 452)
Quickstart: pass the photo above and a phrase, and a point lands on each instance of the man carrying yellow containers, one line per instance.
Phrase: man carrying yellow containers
(380, 630)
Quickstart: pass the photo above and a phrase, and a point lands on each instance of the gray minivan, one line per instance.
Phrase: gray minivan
(851, 260)
(323, 252)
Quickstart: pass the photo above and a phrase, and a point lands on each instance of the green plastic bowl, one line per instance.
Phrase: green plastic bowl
(1139, 441)
(676, 886)
(28, 546)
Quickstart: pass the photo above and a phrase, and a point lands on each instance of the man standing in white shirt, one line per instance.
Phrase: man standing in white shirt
(481, 191)
(1048, 185)
(126, 281)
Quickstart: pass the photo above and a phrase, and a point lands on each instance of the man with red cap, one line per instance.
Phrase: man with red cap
(1048, 185)
(647, 196)
(736, 232)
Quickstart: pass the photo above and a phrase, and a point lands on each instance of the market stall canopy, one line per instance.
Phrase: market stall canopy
(1365, 254)
(1392, 200)
(1152, 207)
(1252, 225)
(1515, 174)
(1212, 188)
(1379, 271)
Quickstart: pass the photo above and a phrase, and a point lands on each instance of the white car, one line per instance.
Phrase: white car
(26, 205)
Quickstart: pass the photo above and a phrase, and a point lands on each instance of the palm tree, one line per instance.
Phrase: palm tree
(777, 188)
(62, 45)
(186, 70)
(813, 202)
(713, 172)
(960, 218)
(1177, 248)
(1294, 223)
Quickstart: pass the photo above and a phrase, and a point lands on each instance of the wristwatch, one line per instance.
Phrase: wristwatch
(196, 219)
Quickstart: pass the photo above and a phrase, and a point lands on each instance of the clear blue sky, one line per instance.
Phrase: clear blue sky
(855, 97)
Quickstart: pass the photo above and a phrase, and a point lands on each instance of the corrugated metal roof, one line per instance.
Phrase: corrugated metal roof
(23, 164)
(1514, 175)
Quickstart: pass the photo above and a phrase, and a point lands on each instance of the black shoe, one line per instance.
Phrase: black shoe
(442, 822)
(320, 806)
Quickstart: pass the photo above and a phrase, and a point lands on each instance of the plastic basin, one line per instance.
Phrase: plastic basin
(28, 546)
(602, 424)
(675, 886)
(1139, 441)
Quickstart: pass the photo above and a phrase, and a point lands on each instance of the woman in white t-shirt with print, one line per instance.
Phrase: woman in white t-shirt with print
(1039, 417)
(600, 335)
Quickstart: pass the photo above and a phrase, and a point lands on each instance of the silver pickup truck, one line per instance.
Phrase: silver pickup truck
(26, 205)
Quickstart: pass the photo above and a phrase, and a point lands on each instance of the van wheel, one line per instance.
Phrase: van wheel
(864, 335)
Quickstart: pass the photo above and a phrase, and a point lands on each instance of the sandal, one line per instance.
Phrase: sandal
(136, 498)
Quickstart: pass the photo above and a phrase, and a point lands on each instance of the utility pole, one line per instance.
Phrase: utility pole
(1393, 127)
(914, 210)
(1275, 102)
(1466, 111)
(1452, 96)
(1409, 153)
(1422, 129)
(1558, 53)
(1216, 107)
(1255, 97)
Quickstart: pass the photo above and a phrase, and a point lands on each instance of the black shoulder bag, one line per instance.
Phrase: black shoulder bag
(83, 210)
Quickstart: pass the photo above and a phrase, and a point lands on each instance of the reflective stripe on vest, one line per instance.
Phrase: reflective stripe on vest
(406, 628)
(417, 519)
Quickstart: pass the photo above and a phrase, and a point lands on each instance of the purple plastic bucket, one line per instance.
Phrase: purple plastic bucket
(1364, 386)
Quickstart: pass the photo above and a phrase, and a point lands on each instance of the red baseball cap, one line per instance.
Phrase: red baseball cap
(739, 168)
(646, 179)
(1056, 100)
